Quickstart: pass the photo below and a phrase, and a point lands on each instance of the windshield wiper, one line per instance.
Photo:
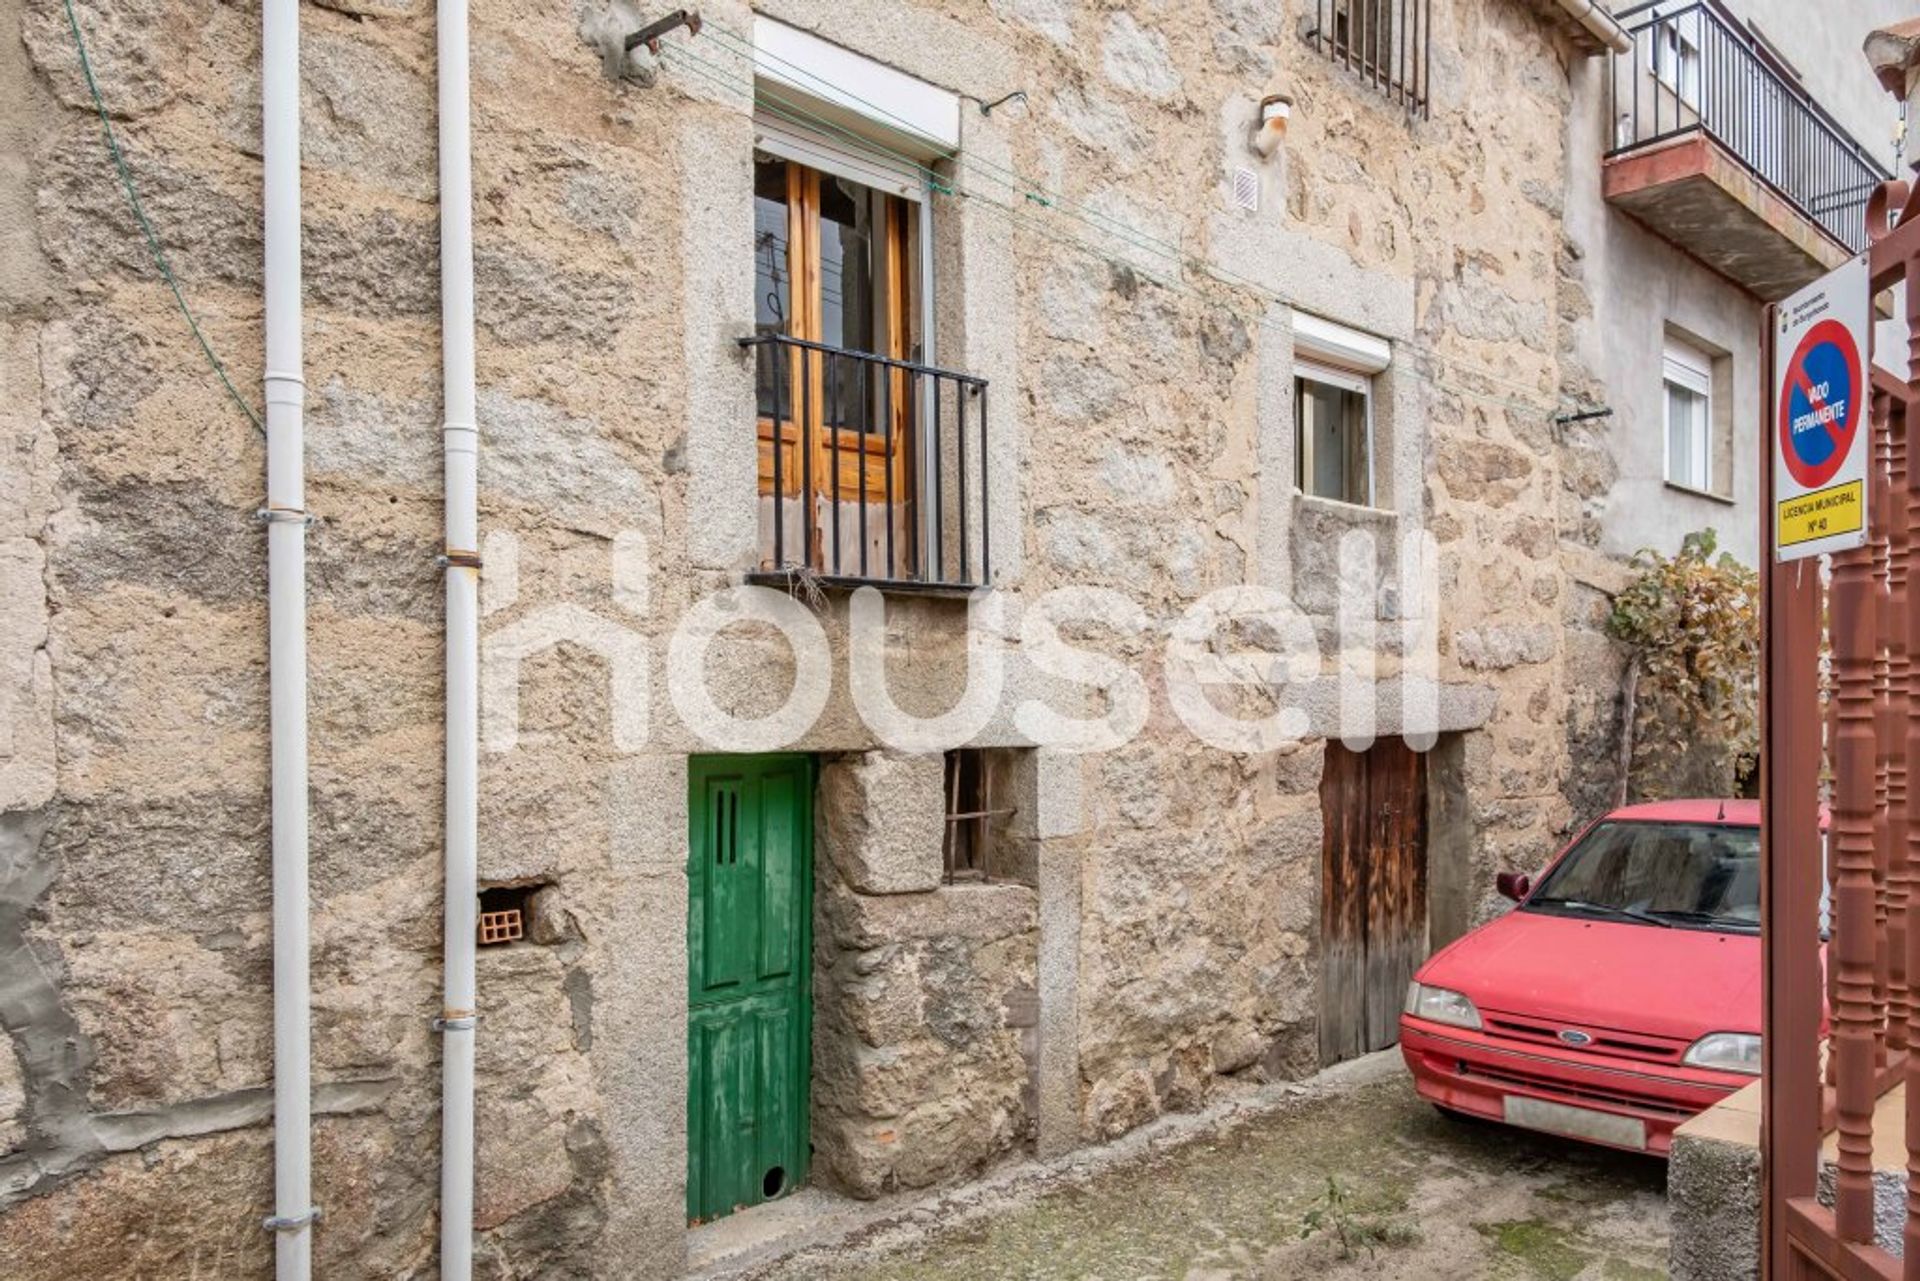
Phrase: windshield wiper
(1703, 918)
(1581, 905)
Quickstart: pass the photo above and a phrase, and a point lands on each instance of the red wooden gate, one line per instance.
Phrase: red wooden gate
(1869, 732)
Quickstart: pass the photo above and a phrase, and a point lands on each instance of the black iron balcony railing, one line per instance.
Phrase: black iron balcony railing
(872, 470)
(1695, 68)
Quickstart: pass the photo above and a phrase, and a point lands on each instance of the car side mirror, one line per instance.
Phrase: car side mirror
(1513, 885)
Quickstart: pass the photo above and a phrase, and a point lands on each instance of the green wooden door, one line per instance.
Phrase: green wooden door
(749, 895)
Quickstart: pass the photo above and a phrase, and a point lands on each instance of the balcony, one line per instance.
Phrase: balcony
(1718, 150)
(872, 470)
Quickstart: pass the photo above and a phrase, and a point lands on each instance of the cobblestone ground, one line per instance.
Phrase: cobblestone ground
(1420, 1196)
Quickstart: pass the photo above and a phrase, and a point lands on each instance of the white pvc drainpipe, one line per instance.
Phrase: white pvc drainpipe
(286, 517)
(461, 448)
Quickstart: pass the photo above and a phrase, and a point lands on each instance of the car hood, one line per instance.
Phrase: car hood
(1628, 977)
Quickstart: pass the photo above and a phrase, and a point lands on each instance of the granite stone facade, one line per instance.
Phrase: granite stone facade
(1157, 943)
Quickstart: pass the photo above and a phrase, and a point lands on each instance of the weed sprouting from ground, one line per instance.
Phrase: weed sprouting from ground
(1356, 1227)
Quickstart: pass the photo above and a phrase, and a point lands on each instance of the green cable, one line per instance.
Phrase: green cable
(1013, 179)
(753, 92)
(140, 215)
(773, 104)
(1014, 182)
(1037, 194)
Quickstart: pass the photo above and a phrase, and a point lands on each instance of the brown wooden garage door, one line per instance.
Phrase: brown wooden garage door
(1373, 893)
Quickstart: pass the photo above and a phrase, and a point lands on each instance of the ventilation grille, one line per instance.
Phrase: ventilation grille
(501, 927)
(506, 913)
(1246, 189)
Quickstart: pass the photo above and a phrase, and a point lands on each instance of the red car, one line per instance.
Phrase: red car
(1622, 995)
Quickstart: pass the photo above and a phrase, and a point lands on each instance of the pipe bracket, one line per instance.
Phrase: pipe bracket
(650, 34)
(285, 515)
(463, 1023)
(291, 1222)
(458, 560)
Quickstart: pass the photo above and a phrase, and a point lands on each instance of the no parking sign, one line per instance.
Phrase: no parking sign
(1821, 441)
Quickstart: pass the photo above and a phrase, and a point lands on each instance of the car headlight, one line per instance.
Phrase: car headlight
(1726, 1052)
(1440, 1005)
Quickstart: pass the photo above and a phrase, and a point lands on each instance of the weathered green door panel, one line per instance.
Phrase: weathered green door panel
(724, 958)
(782, 801)
(749, 876)
(780, 1148)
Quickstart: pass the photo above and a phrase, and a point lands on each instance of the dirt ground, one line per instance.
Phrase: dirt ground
(1417, 1197)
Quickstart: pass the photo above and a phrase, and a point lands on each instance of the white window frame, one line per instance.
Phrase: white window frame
(1336, 356)
(1691, 370)
(1346, 380)
(917, 116)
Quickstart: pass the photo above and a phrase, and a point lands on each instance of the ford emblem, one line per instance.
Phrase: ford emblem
(1573, 1036)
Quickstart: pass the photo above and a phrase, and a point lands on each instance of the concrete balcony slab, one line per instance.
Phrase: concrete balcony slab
(1695, 193)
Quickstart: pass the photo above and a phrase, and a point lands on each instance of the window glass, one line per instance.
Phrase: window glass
(1689, 438)
(1696, 874)
(772, 274)
(846, 264)
(773, 300)
(1331, 440)
(1676, 61)
(849, 302)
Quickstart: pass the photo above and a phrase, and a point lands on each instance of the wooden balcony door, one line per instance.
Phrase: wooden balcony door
(833, 266)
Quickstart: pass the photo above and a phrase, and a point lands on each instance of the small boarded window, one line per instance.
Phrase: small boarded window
(977, 815)
(1384, 42)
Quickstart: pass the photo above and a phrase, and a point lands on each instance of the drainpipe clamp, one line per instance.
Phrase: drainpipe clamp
(458, 560)
(456, 1023)
(291, 1222)
(270, 515)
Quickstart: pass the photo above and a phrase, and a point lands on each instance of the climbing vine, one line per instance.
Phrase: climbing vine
(1692, 717)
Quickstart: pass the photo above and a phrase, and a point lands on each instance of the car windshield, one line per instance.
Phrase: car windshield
(1681, 875)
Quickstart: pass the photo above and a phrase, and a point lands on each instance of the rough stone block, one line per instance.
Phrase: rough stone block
(168, 1019)
(142, 74)
(881, 818)
(859, 922)
(1502, 646)
(1136, 58)
(1484, 471)
(13, 1098)
(1714, 1189)
(1051, 18)
(125, 1217)
(26, 440)
(921, 1043)
(26, 680)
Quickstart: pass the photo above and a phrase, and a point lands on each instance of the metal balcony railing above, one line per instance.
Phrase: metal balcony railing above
(872, 470)
(1696, 68)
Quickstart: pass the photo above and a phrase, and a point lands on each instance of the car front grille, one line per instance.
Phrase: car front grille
(1626, 1045)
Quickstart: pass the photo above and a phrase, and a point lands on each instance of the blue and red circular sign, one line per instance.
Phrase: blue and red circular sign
(1820, 404)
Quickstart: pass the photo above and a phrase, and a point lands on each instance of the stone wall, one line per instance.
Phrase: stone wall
(1141, 441)
(1197, 948)
(926, 1005)
(924, 1011)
